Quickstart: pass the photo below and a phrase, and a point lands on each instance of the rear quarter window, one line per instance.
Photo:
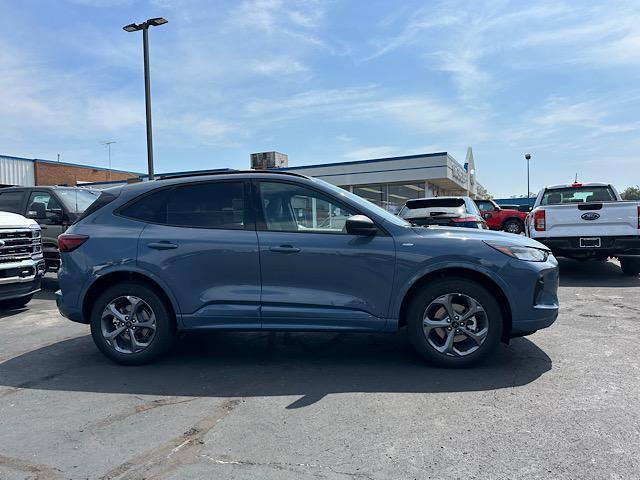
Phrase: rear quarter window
(11, 201)
(151, 208)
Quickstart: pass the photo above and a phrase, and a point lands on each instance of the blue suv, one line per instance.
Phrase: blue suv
(280, 251)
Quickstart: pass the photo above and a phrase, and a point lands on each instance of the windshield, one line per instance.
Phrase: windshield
(559, 196)
(77, 200)
(364, 203)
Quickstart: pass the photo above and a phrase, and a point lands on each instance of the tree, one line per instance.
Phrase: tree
(631, 193)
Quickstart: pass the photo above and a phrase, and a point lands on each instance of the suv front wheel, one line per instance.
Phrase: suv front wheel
(131, 324)
(454, 322)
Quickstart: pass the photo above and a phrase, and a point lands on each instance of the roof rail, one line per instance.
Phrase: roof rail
(223, 171)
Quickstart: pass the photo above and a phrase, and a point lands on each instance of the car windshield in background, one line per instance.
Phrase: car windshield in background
(77, 200)
(558, 196)
(433, 207)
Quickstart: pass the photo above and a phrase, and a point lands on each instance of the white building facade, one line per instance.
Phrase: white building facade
(390, 182)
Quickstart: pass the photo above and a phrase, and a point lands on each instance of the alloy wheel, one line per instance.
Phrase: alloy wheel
(128, 324)
(455, 324)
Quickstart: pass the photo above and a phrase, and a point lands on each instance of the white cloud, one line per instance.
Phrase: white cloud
(371, 152)
(278, 67)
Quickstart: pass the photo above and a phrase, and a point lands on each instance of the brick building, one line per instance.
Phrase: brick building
(34, 171)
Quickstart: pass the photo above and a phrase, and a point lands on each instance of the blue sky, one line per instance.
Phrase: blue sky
(328, 81)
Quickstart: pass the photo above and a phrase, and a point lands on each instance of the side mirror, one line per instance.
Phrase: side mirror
(55, 215)
(37, 211)
(486, 215)
(360, 225)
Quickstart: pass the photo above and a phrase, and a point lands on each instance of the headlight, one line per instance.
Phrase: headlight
(35, 230)
(529, 254)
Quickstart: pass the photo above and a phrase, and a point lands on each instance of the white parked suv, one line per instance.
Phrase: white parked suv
(21, 262)
(587, 220)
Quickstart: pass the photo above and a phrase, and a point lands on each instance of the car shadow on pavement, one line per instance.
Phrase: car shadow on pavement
(593, 273)
(309, 365)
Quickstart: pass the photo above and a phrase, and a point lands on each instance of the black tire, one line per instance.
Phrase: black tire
(165, 332)
(630, 266)
(514, 226)
(424, 297)
(19, 302)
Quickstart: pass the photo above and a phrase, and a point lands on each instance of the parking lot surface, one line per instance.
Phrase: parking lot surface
(562, 403)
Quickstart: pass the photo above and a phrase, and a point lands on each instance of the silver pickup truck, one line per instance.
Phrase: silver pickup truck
(587, 220)
(21, 262)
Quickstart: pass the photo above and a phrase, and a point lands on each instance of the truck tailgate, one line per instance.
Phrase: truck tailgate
(591, 219)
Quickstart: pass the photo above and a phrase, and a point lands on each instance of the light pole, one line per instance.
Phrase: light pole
(527, 157)
(108, 145)
(134, 27)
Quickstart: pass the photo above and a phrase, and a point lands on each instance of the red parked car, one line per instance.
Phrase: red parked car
(498, 218)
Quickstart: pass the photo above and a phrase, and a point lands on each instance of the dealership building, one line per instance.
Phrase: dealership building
(390, 182)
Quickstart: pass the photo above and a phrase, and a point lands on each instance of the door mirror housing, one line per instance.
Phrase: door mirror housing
(360, 225)
(37, 211)
(486, 215)
(56, 216)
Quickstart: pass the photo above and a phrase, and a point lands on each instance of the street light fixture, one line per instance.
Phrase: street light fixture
(134, 27)
(527, 157)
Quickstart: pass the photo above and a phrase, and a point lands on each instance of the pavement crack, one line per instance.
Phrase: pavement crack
(294, 467)
(181, 450)
(145, 407)
(36, 471)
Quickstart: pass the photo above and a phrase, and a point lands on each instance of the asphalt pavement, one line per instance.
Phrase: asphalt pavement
(562, 403)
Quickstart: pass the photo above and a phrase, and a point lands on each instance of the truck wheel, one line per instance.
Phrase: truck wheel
(16, 302)
(131, 324)
(513, 226)
(454, 323)
(630, 266)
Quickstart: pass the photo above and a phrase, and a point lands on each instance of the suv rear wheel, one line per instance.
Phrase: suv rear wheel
(454, 322)
(131, 324)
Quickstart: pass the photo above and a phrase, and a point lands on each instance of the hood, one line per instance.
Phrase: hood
(13, 220)
(477, 234)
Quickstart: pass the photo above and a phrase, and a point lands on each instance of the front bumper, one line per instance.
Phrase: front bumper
(610, 246)
(533, 288)
(20, 279)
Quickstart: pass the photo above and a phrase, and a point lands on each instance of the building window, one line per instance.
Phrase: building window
(391, 196)
(398, 194)
(374, 193)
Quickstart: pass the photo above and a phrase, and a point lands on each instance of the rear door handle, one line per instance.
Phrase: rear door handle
(285, 249)
(162, 245)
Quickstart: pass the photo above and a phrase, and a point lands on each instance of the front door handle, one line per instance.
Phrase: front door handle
(162, 245)
(285, 249)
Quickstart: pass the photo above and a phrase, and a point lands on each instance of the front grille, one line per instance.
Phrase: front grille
(19, 244)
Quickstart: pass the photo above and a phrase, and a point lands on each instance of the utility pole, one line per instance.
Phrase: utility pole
(108, 145)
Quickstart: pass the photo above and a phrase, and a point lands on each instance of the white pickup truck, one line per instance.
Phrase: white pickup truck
(21, 262)
(587, 220)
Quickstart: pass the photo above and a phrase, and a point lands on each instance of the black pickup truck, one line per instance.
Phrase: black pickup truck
(54, 208)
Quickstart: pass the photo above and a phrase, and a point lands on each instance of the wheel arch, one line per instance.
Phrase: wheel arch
(467, 273)
(517, 219)
(104, 281)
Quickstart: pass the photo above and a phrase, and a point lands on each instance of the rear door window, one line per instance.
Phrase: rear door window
(208, 205)
(11, 201)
